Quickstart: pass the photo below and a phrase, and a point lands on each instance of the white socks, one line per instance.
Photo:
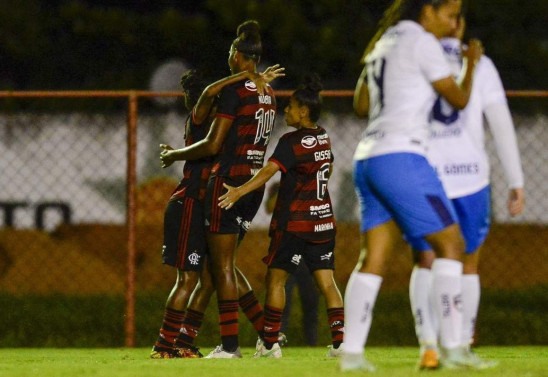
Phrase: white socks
(470, 305)
(359, 300)
(421, 305)
(446, 296)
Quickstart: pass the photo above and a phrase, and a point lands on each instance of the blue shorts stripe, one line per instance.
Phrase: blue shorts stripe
(474, 217)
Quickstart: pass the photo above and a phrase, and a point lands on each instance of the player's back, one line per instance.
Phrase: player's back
(253, 115)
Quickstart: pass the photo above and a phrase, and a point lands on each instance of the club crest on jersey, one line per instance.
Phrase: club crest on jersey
(250, 85)
(309, 142)
(194, 258)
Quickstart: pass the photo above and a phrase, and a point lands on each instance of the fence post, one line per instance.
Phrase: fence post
(131, 218)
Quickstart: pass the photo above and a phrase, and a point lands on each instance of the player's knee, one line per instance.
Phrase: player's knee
(187, 279)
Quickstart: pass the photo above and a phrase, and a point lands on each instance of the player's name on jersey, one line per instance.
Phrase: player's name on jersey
(323, 227)
(267, 100)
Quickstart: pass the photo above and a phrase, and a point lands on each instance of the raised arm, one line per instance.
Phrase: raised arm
(233, 194)
(458, 94)
(203, 106)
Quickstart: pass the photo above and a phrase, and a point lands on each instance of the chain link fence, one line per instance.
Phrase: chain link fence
(64, 225)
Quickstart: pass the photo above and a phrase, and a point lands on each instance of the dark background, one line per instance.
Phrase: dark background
(85, 44)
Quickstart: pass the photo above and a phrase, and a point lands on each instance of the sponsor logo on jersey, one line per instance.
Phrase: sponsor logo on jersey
(255, 155)
(322, 139)
(461, 169)
(322, 211)
(309, 142)
(250, 85)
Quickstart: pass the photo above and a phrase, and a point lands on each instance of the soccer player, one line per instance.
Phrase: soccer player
(398, 190)
(238, 138)
(184, 233)
(302, 229)
(457, 152)
(304, 280)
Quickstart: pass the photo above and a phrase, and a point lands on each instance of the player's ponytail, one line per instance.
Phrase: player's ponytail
(400, 10)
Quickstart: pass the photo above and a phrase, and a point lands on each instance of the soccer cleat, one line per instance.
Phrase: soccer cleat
(282, 341)
(464, 358)
(429, 359)
(350, 362)
(275, 352)
(188, 353)
(220, 353)
(477, 362)
(155, 354)
(334, 352)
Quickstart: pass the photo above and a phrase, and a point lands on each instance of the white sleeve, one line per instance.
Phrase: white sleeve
(502, 127)
(432, 60)
(492, 89)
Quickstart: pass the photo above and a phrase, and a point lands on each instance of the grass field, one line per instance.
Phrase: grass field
(302, 362)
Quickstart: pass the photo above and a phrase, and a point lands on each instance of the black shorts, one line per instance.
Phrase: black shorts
(235, 220)
(287, 251)
(185, 243)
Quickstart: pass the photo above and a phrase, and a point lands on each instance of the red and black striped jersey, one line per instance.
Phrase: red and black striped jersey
(303, 206)
(244, 147)
(195, 173)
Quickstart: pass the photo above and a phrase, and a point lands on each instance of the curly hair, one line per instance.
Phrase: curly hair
(193, 84)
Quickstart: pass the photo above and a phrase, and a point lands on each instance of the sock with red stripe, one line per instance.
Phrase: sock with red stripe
(272, 325)
(171, 326)
(253, 311)
(335, 319)
(192, 322)
(228, 321)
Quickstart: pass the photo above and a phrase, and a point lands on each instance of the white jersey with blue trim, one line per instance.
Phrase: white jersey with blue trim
(457, 140)
(400, 71)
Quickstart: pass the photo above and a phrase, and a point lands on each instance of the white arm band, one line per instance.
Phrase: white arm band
(502, 127)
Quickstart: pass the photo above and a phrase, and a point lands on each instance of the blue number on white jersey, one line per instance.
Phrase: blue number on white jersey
(444, 112)
(375, 73)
